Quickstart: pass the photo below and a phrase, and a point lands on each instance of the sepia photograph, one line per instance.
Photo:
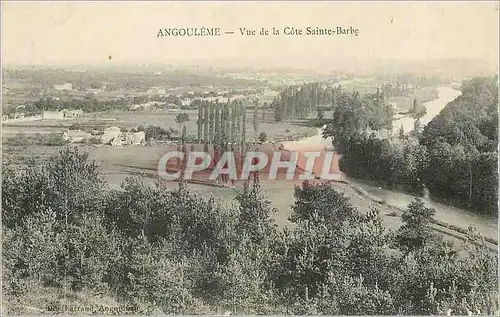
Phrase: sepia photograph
(249, 158)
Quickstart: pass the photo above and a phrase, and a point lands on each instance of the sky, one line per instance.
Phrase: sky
(61, 33)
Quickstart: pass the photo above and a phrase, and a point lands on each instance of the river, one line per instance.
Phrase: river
(488, 226)
(434, 107)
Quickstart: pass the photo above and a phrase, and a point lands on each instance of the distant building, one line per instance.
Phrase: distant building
(156, 91)
(186, 102)
(146, 105)
(135, 107)
(48, 115)
(76, 136)
(63, 114)
(95, 90)
(172, 106)
(110, 134)
(118, 141)
(135, 138)
(72, 113)
(65, 86)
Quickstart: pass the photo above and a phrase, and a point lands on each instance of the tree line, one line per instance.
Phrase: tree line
(87, 104)
(454, 156)
(297, 102)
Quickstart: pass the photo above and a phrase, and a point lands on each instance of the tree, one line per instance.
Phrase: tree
(238, 116)
(181, 118)
(256, 119)
(255, 218)
(244, 127)
(417, 127)
(418, 110)
(205, 124)
(217, 127)
(234, 132)
(183, 136)
(320, 113)
(199, 122)
(155, 133)
(414, 108)
(278, 112)
(320, 202)
(75, 126)
(416, 231)
(262, 137)
(211, 120)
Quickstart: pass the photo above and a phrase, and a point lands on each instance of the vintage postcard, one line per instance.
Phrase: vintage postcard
(249, 158)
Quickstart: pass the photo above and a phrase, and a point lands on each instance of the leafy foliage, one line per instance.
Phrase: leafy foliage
(166, 251)
(454, 156)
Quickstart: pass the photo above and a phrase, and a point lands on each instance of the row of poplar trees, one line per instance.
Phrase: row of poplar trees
(222, 124)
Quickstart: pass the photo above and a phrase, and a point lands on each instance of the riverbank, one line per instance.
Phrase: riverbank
(447, 216)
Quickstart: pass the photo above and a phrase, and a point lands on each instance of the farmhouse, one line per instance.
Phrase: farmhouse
(48, 115)
(118, 141)
(72, 113)
(76, 136)
(186, 102)
(63, 87)
(156, 91)
(63, 114)
(110, 134)
(136, 138)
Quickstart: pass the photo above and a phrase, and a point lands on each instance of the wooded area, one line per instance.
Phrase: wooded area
(70, 240)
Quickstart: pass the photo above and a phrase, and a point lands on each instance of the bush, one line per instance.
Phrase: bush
(50, 139)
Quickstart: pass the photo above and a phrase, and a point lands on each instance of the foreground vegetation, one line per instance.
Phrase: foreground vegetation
(68, 240)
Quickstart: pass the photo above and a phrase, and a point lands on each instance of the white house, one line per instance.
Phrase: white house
(72, 113)
(65, 86)
(75, 136)
(117, 141)
(63, 114)
(110, 134)
(53, 115)
(135, 138)
(156, 91)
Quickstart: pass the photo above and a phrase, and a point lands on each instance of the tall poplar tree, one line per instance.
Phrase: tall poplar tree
(211, 120)
(199, 122)
(256, 118)
(205, 123)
